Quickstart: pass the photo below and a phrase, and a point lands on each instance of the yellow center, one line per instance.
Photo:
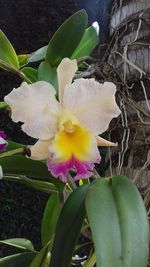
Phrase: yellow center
(73, 139)
(69, 127)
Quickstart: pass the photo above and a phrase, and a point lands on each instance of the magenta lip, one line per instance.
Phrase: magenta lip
(2, 146)
(83, 169)
(2, 134)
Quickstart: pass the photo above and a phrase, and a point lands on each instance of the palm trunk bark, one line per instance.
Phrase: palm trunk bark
(129, 56)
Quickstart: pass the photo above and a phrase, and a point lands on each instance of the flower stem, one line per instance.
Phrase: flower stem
(71, 182)
(12, 152)
(11, 68)
(22, 76)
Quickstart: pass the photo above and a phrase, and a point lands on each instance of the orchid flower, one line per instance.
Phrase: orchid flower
(67, 130)
(3, 142)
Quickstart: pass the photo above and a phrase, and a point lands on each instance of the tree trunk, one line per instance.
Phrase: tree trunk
(129, 56)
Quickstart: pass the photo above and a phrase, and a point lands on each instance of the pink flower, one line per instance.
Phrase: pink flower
(3, 142)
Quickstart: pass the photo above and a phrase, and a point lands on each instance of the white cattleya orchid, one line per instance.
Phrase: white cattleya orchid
(67, 129)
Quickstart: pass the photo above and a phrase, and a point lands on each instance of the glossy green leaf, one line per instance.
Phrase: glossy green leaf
(119, 223)
(68, 228)
(23, 60)
(50, 217)
(21, 243)
(7, 52)
(48, 74)
(18, 260)
(133, 222)
(87, 44)
(13, 145)
(103, 218)
(23, 166)
(38, 55)
(20, 165)
(42, 259)
(30, 73)
(66, 38)
(42, 186)
(3, 104)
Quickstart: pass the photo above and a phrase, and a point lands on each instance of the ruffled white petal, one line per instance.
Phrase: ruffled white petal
(40, 150)
(65, 72)
(92, 103)
(37, 107)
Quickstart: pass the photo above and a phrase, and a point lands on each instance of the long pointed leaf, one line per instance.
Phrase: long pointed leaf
(20, 165)
(21, 243)
(7, 52)
(87, 44)
(68, 228)
(50, 217)
(103, 218)
(18, 260)
(119, 223)
(42, 186)
(66, 38)
(13, 145)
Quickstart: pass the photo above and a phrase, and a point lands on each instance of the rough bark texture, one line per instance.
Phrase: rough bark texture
(129, 24)
(129, 56)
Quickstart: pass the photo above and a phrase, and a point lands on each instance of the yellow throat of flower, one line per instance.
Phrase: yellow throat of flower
(69, 127)
(67, 121)
(72, 139)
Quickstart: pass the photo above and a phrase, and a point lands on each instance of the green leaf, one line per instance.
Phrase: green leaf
(118, 222)
(7, 52)
(30, 73)
(3, 104)
(21, 243)
(103, 218)
(48, 74)
(68, 228)
(18, 260)
(20, 165)
(133, 222)
(42, 186)
(66, 38)
(42, 259)
(23, 60)
(38, 55)
(23, 166)
(87, 44)
(50, 217)
(13, 145)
